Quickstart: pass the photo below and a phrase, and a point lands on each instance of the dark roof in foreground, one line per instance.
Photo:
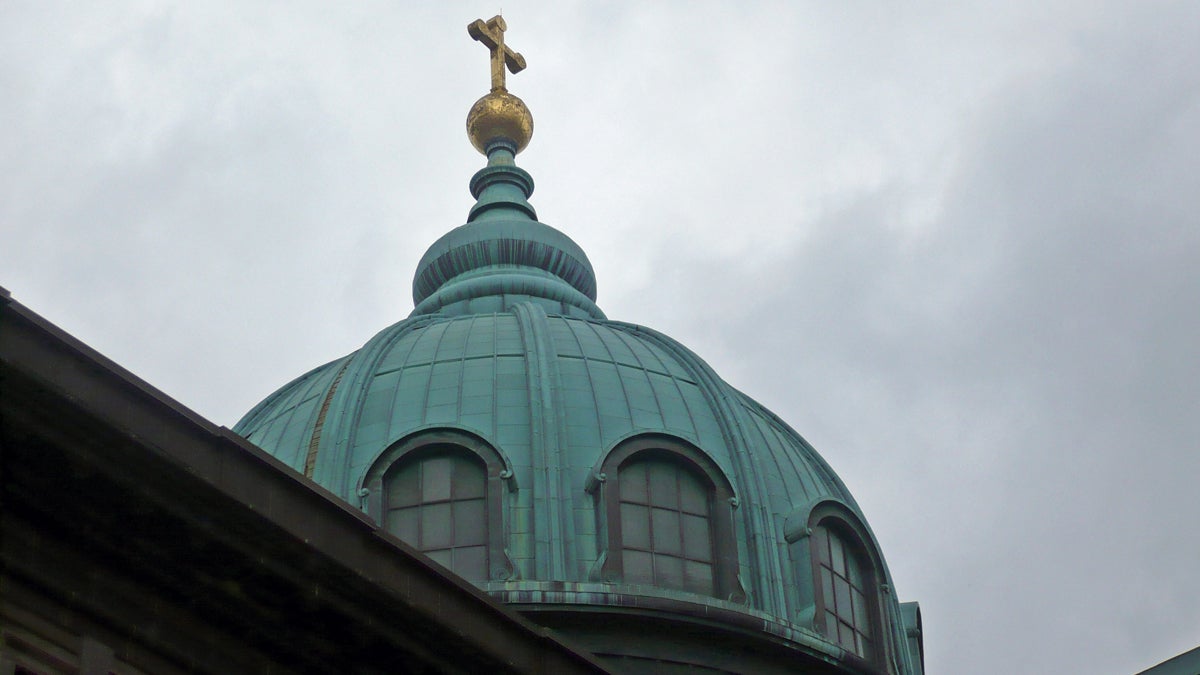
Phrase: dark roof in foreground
(132, 521)
(1187, 663)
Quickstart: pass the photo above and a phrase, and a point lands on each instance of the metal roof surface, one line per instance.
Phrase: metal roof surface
(506, 343)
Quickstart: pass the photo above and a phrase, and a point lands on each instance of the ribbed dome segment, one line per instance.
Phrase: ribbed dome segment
(540, 386)
(503, 254)
(524, 377)
(554, 394)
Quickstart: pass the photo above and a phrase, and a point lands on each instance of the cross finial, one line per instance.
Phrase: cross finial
(491, 34)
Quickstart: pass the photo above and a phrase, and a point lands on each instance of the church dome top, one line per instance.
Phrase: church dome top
(502, 254)
(571, 465)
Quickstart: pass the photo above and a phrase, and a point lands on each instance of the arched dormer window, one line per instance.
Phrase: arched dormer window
(666, 525)
(666, 514)
(441, 492)
(435, 500)
(846, 597)
(846, 574)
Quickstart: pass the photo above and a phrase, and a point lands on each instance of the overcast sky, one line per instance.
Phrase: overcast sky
(954, 245)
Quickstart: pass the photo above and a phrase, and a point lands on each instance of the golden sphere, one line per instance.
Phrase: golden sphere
(499, 115)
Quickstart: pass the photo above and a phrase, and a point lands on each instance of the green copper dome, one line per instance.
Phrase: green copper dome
(596, 475)
(507, 346)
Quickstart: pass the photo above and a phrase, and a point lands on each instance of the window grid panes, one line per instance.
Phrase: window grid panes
(844, 594)
(436, 502)
(666, 527)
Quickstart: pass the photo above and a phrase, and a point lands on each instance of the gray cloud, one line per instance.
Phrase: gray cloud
(1012, 389)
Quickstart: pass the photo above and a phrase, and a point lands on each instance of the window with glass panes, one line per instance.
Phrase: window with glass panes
(846, 597)
(666, 534)
(436, 501)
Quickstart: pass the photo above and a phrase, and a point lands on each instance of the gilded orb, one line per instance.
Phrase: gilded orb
(499, 114)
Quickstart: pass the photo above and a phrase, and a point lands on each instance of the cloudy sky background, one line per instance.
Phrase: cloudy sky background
(955, 245)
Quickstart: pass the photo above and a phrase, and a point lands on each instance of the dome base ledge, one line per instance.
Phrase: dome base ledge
(643, 624)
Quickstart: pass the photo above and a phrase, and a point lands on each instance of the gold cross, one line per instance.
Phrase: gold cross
(491, 34)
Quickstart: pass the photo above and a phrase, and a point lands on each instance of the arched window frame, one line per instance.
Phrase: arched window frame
(500, 480)
(837, 517)
(605, 486)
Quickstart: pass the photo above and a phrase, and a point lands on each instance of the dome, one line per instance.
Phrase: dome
(554, 390)
(596, 475)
